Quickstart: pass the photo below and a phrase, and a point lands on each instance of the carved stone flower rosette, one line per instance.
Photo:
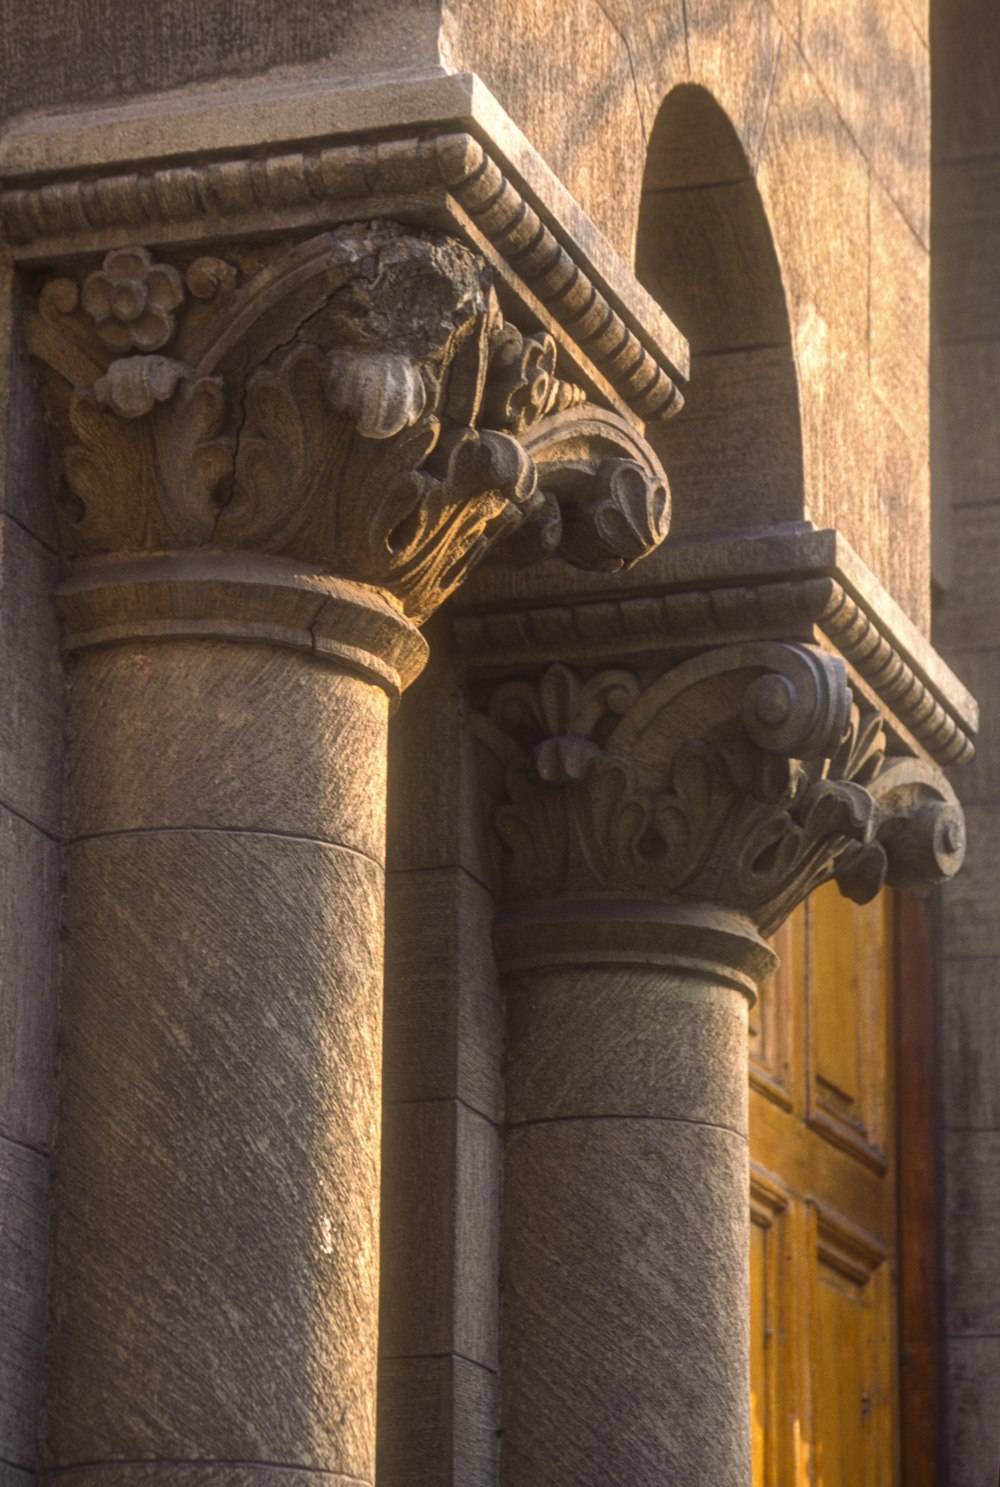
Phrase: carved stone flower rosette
(355, 402)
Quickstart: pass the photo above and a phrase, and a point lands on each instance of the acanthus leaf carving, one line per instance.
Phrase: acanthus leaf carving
(744, 778)
(355, 401)
(145, 480)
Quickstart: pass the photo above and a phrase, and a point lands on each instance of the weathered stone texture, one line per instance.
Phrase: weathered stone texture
(31, 720)
(24, 1181)
(966, 318)
(967, 245)
(736, 453)
(967, 615)
(29, 474)
(971, 924)
(100, 52)
(823, 139)
(440, 1216)
(583, 1267)
(899, 316)
(443, 1033)
(890, 121)
(216, 1249)
(438, 1423)
(678, 1051)
(814, 183)
(971, 1045)
(148, 720)
(529, 54)
(13, 1476)
(973, 1410)
(967, 377)
(980, 778)
(733, 51)
(972, 1224)
(424, 830)
(29, 945)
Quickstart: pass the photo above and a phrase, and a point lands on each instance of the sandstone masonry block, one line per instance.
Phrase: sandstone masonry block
(29, 948)
(24, 1204)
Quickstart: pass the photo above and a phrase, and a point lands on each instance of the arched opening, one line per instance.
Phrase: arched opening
(704, 251)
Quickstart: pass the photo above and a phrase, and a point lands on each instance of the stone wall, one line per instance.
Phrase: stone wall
(966, 465)
(831, 106)
(31, 725)
(837, 153)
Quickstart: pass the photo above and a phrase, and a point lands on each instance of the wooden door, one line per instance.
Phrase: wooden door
(823, 1203)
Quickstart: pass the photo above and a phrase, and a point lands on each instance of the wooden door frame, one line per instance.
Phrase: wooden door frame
(917, 962)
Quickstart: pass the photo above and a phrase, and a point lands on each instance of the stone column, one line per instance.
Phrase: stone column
(649, 836)
(254, 525)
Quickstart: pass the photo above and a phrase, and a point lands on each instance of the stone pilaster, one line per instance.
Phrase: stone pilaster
(278, 461)
(649, 832)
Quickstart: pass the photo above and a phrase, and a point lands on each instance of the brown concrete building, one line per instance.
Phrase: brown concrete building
(468, 607)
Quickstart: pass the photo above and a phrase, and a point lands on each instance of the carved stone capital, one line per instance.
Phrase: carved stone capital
(742, 778)
(355, 404)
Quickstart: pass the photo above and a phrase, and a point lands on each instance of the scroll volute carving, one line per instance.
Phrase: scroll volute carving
(743, 778)
(355, 402)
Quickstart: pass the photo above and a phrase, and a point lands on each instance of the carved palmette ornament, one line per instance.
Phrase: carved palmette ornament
(356, 402)
(745, 777)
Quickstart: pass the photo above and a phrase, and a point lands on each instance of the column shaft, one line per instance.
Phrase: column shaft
(215, 1266)
(625, 1178)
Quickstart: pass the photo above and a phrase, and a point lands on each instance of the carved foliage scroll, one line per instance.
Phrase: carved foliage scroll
(744, 778)
(356, 402)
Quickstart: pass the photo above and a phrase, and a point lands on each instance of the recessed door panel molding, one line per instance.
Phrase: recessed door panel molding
(770, 1328)
(853, 1355)
(824, 1373)
(847, 1001)
(773, 1017)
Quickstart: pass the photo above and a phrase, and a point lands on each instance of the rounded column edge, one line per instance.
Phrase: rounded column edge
(709, 941)
(246, 599)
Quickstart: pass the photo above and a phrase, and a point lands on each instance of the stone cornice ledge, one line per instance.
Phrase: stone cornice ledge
(435, 151)
(793, 583)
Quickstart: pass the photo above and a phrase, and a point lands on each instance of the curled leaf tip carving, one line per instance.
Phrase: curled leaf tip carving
(622, 520)
(354, 400)
(688, 788)
(380, 391)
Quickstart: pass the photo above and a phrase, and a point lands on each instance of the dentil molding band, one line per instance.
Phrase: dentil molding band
(415, 179)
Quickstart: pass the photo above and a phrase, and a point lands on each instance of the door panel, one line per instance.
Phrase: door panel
(823, 1197)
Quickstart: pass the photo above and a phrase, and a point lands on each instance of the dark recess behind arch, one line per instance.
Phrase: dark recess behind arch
(704, 250)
